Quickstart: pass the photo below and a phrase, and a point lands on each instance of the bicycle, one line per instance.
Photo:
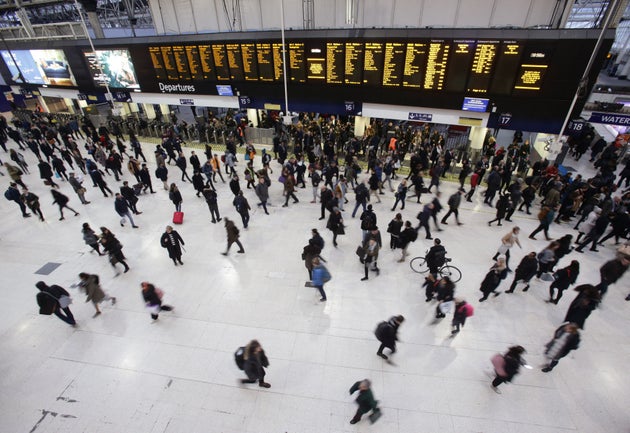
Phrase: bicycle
(419, 265)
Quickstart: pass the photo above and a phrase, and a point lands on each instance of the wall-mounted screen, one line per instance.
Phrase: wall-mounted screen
(48, 67)
(479, 105)
(115, 68)
(224, 90)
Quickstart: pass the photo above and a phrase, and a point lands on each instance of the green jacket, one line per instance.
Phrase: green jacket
(365, 399)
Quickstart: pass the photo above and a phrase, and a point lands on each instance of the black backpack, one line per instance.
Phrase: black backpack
(239, 357)
(380, 330)
(414, 235)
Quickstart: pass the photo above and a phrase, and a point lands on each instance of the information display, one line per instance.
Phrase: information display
(219, 56)
(353, 63)
(250, 64)
(112, 67)
(437, 61)
(507, 66)
(474, 67)
(297, 62)
(39, 67)
(335, 62)
(373, 63)
(235, 62)
(482, 66)
(394, 63)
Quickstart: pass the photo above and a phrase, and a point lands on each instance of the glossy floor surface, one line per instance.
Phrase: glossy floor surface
(122, 373)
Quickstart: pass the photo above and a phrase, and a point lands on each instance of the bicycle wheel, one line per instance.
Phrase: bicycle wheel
(419, 265)
(452, 272)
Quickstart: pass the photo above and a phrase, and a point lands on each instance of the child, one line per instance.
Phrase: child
(463, 310)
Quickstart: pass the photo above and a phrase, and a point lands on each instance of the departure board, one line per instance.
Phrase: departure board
(394, 64)
(169, 63)
(235, 62)
(437, 61)
(335, 63)
(415, 61)
(158, 63)
(474, 67)
(373, 63)
(207, 63)
(353, 63)
(181, 62)
(277, 49)
(483, 63)
(220, 62)
(194, 63)
(530, 77)
(297, 62)
(507, 65)
(264, 55)
(461, 58)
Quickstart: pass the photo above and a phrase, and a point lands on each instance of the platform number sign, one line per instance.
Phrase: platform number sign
(244, 101)
(349, 107)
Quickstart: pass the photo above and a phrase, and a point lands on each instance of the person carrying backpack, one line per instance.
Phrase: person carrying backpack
(463, 310)
(387, 334)
(253, 361)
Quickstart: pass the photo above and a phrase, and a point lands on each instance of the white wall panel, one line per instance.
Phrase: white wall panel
(164, 13)
(510, 13)
(407, 13)
(250, 14)
(541, 13)
(184, 13)
(439, 13)
(293, 17)
(270, 12)
(375, 13)
(474, 13)
(326, 14)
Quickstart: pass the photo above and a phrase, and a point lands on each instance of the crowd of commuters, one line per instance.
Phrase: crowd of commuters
(324, 157)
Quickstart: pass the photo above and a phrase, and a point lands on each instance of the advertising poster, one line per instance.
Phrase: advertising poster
(39, 67)
(116, 69)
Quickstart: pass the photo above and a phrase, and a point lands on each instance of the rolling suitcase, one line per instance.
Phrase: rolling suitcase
(178, 217)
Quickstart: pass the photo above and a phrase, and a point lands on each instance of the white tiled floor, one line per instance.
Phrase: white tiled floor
(120, 373)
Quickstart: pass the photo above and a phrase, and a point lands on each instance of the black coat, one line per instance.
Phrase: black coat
(493, 279)
(526, 269)
(174, 248)
(387, 333)
(45, 171)
(580, 309)
(255, 364)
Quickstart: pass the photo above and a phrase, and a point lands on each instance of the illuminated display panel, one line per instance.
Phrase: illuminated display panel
(461, 57)
(415, 61)
(373, 63)
(335, 62)
(530, 77)
(394, 64)
(297, 62)
(277, 61)
(264, 56)
(437, 61)
(181, 62)
(39, 67)
(194, 62)
(169, 63)
(116, 68)
(353, 63)
(507, 66)
(207, 63)
(235, 62)
(532, 68)
(250, 62)
(219, 56)
(158, 63)
(482, 66)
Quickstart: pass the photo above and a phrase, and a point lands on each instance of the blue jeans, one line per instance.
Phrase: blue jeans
(321, 291)
(359, 203)
(68, 317)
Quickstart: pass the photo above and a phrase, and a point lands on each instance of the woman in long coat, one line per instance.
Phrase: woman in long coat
(493, 278)
(172, 241)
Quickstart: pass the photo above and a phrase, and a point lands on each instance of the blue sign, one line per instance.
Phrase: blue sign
(224, 90)
(186, 102)
(121, 96)
(505, 119)
(610, 119)
(422, 117)
(479, 105)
